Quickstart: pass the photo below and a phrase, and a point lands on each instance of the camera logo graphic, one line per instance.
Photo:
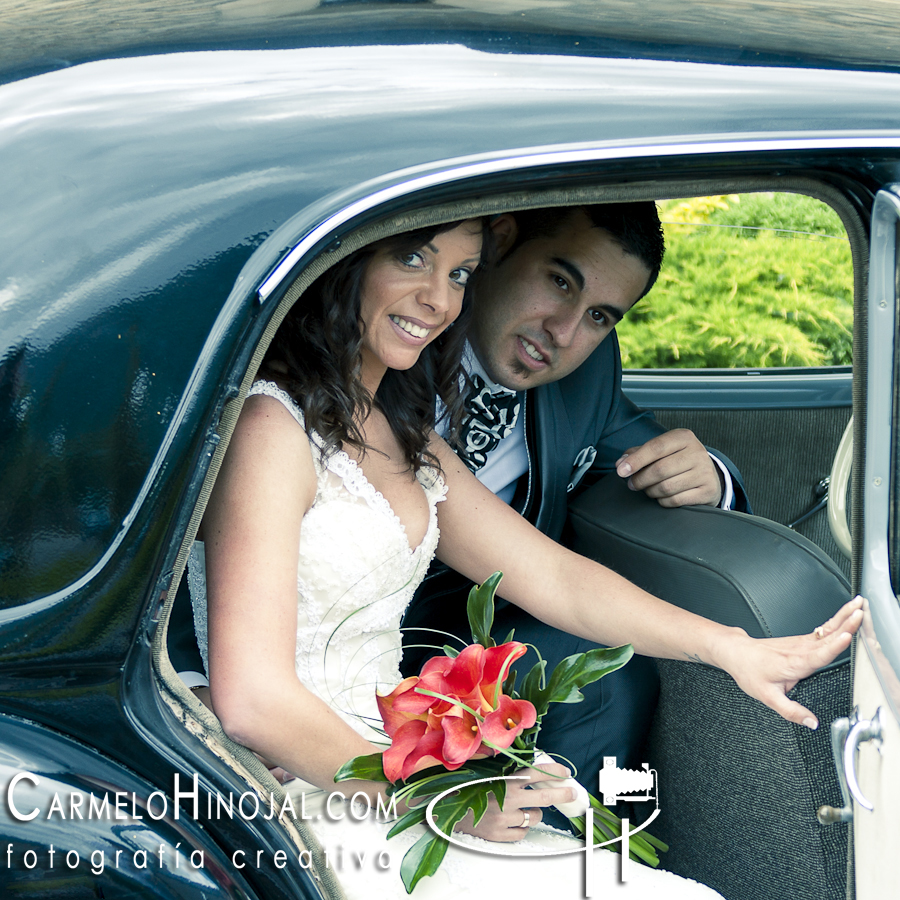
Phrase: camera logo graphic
(627, 784)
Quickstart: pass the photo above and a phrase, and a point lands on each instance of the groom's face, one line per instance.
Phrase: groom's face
(542, 311)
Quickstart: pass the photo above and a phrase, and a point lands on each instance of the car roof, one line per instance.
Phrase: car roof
(42, 35)
(149, 196)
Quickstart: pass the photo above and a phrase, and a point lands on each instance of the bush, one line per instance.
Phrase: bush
(750, 281)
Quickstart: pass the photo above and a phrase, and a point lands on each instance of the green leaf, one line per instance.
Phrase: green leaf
(422, 859)
(498, 789)
(580, 669)
(451, 809)
(368, 768)
(452, 652)
(608, 825)
(413, 817)
(480, 610)
(532, 687)
(437, 783)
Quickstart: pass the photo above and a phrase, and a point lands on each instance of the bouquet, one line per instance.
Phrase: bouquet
(463, 719)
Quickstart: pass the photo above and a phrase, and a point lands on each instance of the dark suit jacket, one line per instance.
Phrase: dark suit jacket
(568, 420)
(576, 429)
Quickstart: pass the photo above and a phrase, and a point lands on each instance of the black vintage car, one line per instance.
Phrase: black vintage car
(173, 180)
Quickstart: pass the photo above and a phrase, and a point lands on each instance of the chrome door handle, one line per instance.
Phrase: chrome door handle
(864, 730)
(832, 815)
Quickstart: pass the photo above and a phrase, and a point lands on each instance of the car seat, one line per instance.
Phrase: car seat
(738, 786)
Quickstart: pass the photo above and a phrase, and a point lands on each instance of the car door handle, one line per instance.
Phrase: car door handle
(832, 815)
(864, 730)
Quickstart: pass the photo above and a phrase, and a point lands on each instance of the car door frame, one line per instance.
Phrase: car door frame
(871, 753)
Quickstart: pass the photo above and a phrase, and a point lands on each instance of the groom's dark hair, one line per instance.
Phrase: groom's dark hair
(635, 227)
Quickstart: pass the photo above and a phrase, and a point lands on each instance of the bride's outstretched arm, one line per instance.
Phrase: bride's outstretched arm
(480, 534)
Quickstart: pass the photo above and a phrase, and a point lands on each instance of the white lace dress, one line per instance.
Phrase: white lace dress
(356, 575)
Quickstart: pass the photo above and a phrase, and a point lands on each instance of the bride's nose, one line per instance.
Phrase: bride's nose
(436, 295)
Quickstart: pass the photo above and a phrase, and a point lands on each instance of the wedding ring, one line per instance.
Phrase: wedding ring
(819, 632)
(526, 822)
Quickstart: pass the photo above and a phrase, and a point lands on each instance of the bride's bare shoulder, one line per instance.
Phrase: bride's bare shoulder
(269, 442)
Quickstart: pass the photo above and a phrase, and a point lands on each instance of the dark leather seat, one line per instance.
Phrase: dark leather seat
(738, 785)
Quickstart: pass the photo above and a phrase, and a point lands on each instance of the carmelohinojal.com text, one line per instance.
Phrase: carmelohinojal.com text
(74, 806)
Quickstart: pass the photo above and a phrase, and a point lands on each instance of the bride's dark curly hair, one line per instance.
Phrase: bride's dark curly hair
(316, 355)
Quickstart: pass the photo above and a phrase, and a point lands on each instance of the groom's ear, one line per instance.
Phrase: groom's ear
(505, 230)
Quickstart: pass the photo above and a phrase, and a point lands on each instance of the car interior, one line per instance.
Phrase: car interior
(739, 788)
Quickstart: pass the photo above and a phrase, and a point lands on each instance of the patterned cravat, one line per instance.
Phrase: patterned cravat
(490, 417)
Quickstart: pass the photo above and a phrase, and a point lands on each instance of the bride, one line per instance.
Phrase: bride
(333, 498)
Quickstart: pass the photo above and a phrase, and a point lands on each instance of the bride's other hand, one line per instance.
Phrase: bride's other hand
(768, 669)
(522, 806)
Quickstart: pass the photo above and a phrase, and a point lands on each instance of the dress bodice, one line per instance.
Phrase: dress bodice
(355, 577)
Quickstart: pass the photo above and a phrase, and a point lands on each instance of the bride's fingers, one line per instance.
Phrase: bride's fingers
(827, 644)
(791, 710)
(840, 619)
(803, 656)
(549, 796)
(504, 825)
(522, 805)
(523, 819)
(540, 773)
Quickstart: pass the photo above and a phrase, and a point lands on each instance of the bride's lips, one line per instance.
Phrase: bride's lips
(414, 331)
(526, 351)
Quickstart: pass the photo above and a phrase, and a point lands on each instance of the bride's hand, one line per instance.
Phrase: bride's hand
(768, 669)
(522, 806)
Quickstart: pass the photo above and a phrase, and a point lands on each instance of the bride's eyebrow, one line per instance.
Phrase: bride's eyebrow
(471, 259)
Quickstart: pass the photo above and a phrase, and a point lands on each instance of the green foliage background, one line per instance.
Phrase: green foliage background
(748, 281)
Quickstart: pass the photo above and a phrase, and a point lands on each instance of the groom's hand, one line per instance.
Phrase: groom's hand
(674, 469)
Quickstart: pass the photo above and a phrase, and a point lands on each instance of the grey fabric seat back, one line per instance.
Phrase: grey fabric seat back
(738, 785)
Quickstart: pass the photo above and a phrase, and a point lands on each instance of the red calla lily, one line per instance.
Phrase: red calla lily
(450, 729)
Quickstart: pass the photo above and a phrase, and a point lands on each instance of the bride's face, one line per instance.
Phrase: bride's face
(409, 298)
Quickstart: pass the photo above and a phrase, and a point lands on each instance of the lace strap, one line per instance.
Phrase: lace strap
(342, 465)
(433, 484)
(271, 389)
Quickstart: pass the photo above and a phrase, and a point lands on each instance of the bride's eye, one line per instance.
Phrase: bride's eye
(413, 260)
(461, 276)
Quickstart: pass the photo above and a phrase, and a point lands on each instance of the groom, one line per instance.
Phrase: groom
(546, 415)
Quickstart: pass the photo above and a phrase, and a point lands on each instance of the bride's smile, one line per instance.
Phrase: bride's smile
(409, 298)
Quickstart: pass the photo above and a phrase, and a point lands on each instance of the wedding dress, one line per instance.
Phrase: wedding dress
(356, 575)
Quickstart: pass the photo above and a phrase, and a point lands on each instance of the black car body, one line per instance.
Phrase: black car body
(157, 209)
